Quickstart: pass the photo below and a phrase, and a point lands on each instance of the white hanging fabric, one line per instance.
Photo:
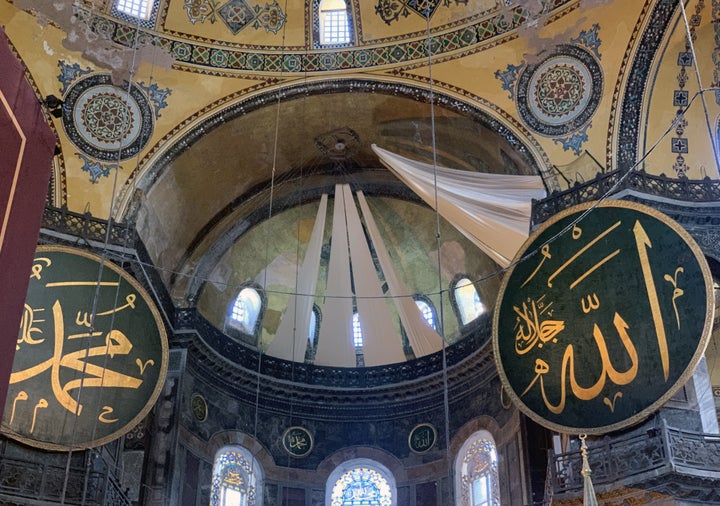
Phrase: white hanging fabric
(292, 335)
(335, 345)
(423, 338)
(491, 210)
(381, 344)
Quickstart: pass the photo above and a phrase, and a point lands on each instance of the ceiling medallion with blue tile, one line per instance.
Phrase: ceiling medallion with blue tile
(391, 10)
(237, 14)
(560, 94)
(105, 121)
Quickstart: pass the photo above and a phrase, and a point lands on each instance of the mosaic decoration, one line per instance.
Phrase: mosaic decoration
(236, 14)
(297, 441)
(361, 486)
(91, 355)
(391, 10)
(606, 320)
(557, 96)
(205, 54)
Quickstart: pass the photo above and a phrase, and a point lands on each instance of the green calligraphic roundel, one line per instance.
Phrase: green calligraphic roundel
(297, 441)
(422, 438)
(91, 355)
(603, 318)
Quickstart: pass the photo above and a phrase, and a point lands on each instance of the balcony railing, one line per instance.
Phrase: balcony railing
(22, 480)
(702, 190)
(87, 227)
(632, 459)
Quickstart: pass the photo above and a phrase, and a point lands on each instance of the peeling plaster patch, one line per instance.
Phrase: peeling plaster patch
(48, 50)
(103, 53)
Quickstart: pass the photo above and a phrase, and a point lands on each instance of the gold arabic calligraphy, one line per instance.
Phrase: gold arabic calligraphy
(535, 328)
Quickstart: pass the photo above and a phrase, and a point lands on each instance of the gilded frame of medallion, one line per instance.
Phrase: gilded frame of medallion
(419, 426)
(288, 450)
(162, 375)
(693, 362)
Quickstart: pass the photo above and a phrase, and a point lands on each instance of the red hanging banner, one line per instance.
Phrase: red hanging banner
(27, 144)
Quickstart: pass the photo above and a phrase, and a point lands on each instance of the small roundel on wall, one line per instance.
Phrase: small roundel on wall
(107, 122)
(199, 407)
(559, 94)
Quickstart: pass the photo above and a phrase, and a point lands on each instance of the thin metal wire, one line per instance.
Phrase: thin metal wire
(438, 244)
(96, 296)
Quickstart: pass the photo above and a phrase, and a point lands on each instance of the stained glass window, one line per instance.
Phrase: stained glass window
(362, 486)
(476, 471)
(245, 310)
(468, 301)
(236, 478)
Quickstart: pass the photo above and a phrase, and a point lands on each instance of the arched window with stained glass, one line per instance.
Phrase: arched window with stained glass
(361, 482)
(237, 478)
(476, 473)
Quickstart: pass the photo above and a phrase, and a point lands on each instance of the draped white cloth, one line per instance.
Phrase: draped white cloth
(423, 338)
(491, 210)
(335, 345)
(292, 335)
(381, 343)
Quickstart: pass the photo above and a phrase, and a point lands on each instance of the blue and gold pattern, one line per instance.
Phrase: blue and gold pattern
(203, 53)
(391, 10)
(105, 122)
(236, 14)
(557, 96)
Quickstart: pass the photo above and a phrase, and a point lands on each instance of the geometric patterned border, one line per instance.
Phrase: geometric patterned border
(396, 52)
(629, 121)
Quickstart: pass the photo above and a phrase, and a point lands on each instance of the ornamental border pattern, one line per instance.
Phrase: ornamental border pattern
(196, 51)
(629, 120)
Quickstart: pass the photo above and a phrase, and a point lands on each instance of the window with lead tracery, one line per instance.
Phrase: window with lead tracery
(361, 482)
(476, 471)
(237, 478)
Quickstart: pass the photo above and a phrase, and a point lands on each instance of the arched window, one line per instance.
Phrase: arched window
(361, 482)
(237, 478)
(357, 331)
(476, 475)
(333, 23)
(245, 311)
(467, 301)
(427, 311)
